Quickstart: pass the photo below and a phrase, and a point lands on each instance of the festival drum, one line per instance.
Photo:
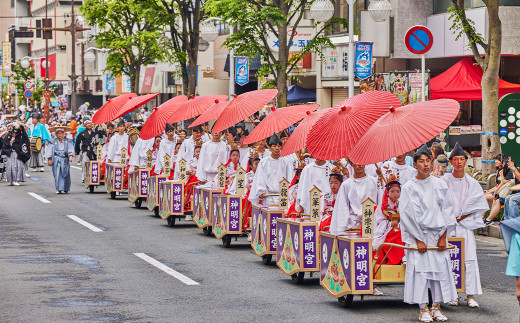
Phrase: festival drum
(36, 144)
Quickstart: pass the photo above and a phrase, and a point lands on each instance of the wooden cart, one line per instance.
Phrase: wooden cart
(204, 202)
(171, 201)
(92, 175)
(152, 197)
(114, 178)
(138, 186)
(264, 231)
(227, 217)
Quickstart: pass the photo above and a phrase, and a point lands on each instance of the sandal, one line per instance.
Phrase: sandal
(472, 302)
(378, 292)
(437, 313)
(454, 302)
(425, 315)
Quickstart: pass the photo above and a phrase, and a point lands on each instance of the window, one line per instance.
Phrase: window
(12, 3)
(441, 6)
(38, 31)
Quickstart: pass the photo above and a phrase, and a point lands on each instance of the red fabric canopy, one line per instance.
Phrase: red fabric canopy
(461, 82)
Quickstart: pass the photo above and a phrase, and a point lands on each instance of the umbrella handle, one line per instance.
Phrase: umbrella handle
(250, 120)
(381, 178)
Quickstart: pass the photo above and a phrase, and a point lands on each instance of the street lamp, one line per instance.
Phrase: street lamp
(351, 43)
(379, 10)
(208, 30)
(89, 57)
(25, 63)
(322, 10)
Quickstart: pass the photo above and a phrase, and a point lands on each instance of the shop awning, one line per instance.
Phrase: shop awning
(461, 82)
(297, 94)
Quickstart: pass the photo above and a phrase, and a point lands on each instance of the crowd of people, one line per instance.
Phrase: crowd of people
(432, 196)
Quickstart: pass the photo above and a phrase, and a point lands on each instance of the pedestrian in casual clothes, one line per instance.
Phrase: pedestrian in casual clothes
(497, 195)
(15, 145)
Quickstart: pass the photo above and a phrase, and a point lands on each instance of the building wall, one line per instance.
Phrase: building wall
(7, 11)
(407, 14)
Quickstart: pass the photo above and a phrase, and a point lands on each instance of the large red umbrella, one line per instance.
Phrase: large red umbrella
(194, 107)
(403, 129)
(298, 138)
(129, 106)
(212, 113)
(156, 122)
(334, 135)
(278, 120)
(104, 114)
(242, 107)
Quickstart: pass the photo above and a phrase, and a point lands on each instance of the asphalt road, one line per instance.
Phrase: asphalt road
(54, 269)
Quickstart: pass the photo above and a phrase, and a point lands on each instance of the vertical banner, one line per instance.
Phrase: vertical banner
(221, 176)
(315, 204)
(367, 223)
(241, 70)
(363, 60)
(415, 80)
(126, 86)
(110, 82)
(241, 180)
(283, 197)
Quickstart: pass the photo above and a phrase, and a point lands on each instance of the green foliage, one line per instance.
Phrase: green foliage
(131, 31)
(461, 25)
(21, 75)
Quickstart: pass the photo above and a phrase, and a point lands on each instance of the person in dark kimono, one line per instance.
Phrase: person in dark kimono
(15, 145)
(86, 143)
(59, 153)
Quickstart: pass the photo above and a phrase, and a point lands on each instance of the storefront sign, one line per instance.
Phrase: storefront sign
(335, 62)
(241, 70)
(302, 37)
(363, 60)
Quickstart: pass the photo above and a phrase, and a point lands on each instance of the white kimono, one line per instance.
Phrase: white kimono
(267, 179)
(165, 147)
(312, 175)
(426, 211)
(245, 154)
(212, 154)
(186, 152)
(468, 198)
(347, 212)
(117, 142)
(403, 173)
(138, 157)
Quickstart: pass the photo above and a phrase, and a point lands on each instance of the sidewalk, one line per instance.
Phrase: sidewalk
(492, 230)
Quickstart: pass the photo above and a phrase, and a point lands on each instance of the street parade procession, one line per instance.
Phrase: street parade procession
(346, 195)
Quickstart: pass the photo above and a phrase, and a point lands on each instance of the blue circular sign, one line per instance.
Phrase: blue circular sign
(28, 94)
(503, 131)
(418, 39)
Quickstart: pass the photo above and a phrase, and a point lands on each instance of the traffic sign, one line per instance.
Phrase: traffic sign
(418, 40)
(28, 94)
(28, 85)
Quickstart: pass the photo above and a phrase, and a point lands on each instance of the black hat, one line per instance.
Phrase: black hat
(121, 123)
(458, 151)
(233, 131)
(274, 140)
(169, 127)
(197, 129)
(423, 150)
(35, 115)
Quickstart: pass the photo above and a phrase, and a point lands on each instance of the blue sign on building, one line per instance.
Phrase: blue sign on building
(363, 60)
(241, 70)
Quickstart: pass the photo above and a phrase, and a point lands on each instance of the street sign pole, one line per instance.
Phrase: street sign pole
(419, 40)
(423, 67)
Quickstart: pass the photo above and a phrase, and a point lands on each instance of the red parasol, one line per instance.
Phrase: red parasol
(194, 107)
(156, 122)
(212, 113)
(104, 114)
(242, 107)
(298, 138)
(403, 129)
(278, 120)
(334, 135)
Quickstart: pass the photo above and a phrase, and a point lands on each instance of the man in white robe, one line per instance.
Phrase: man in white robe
(212, 154)
(347, 212)
(395, 169)
(187, 148)
(314, 174)
(166, 147)
(118, 141)
(426, 211)
(271, 170)
(139, 152)
(468, 205)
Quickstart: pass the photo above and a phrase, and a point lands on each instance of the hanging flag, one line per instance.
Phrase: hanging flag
(241, 70)
(363, 60)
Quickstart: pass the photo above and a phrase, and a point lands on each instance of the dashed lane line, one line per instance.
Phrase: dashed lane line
(38, 197)
(166, 269)
(84, 223)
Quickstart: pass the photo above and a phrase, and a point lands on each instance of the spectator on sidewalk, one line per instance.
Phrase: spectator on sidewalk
(512, 202)
(497, 195)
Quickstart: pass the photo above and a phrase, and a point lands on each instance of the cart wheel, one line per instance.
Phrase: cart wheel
(171, 221)
(207, 231)
(138, 203)
(91, 188)
(156, 211)
(346, 301)
(113, 195)
(226, 241)
(298, 277)
(267, 259)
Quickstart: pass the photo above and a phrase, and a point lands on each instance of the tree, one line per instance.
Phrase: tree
(183, 18)
(490, 64)
(131, 31)
(256, 22)
(20, 76)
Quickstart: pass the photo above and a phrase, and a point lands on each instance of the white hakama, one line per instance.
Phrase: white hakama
(312, 175)
(267, 179)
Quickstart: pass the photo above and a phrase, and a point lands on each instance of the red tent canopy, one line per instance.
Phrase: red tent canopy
(461, 82)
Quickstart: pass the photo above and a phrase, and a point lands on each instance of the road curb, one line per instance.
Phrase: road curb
(490, 231)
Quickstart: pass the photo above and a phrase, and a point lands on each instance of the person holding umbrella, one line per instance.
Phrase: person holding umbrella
(59, 153)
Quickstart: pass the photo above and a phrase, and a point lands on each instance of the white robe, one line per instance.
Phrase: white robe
(186, 152)
(468, 198)
(403, 173)
(117, 142)
(138, 157)
(312, 175)
(267, 179)
(165, 147)
(370, 170)
(212, 154)
(426, 211)
(245, 154)
(347, 209)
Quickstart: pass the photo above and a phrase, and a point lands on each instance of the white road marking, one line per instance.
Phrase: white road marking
(484, 241)
(38, 197)
(166, 269)
(76, 167)
(84, 223)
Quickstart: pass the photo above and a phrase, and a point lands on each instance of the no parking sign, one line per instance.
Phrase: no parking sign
(418, 40)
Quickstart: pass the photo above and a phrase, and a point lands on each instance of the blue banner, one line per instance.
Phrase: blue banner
(363, 61)
(110, 82)
(241, 70)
